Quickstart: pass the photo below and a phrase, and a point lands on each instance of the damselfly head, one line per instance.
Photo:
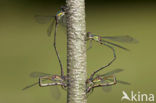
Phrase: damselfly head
(89, 35)
(63, 8)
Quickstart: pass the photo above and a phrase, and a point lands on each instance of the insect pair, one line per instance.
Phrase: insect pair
(92, 82)
(60, 18)
(107, 79)
(104, 40)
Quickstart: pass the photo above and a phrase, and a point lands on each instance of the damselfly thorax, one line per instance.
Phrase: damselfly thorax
(60, 13)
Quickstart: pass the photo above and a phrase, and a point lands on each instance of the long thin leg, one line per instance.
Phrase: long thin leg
(114, 58)
(50, 28)
(90, 44)
(58, 57)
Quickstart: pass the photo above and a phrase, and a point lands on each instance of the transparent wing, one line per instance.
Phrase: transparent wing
(62, 25)
(50, 28)
(109, 88)
(124, 39)
(34, 84)
(55, 92)
(38, 74)
(106, 88)
(123, 82)
(43, 19)
(62, 21)
(112, 72)
(119, 46)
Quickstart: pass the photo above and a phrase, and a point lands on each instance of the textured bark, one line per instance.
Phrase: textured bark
(76, 51)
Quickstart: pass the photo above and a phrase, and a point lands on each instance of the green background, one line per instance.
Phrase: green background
(25, 48)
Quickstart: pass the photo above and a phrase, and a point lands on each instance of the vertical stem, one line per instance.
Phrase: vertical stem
(76, 51)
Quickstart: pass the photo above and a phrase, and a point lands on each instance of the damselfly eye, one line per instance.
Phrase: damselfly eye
(88, 32)
(63, 8)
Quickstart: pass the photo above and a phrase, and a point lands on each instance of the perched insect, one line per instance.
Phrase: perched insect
(103, 40)
(52, 80)
(106, 80)
(57, 19)
(57, 80)
(99, 82)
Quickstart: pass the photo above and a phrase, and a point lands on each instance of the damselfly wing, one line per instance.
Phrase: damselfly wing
(54, 90)
(35, 75)
(103, 39)
(108, 77)
(123, 39)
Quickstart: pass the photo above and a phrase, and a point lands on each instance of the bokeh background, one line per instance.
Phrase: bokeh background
(25, 48)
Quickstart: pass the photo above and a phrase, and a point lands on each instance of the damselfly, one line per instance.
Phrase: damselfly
(109, 88)
(106, 80)
(57, 19)
(52, 80)
(99, 82)
(103, 40)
